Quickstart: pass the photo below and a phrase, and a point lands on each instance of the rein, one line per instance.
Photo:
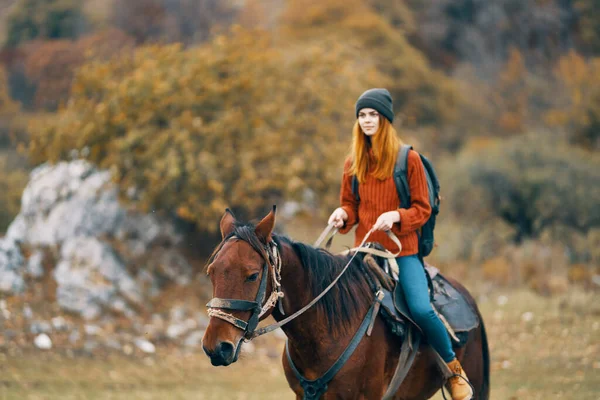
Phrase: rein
(279, 324)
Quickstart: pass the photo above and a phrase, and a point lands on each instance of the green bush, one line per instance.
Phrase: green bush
(45, 19)
(538, 185)
(589, 23)
(12, 182)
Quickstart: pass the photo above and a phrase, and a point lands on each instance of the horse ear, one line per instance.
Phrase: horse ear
(227, 223)
(265, 227)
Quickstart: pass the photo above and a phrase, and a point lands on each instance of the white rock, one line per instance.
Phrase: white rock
(527, 316)
(176, 330)
(70, 206)
(11, 271)
(144, 345)
(59, 323)
(92, 330)
(40, 327)
(27, 312)
(89, 275)
(34, 264)
(66, 200)
(43, 342)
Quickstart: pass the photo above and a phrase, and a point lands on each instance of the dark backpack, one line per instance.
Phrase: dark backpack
(426, 241)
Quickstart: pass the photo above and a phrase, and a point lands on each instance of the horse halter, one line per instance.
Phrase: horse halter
(270, 254)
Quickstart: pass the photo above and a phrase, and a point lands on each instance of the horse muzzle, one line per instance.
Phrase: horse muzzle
(223, 354)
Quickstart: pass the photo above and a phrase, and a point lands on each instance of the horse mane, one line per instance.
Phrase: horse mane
(346, 300)
(343, 304)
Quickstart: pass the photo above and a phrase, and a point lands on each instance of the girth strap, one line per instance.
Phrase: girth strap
(313, 389)
(408, 351)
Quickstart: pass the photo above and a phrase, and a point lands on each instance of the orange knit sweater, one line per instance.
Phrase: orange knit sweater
(379, 196)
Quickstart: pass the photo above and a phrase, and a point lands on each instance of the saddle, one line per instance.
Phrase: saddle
(451, 306)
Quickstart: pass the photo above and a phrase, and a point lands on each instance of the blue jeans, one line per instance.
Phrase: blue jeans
(411, 275)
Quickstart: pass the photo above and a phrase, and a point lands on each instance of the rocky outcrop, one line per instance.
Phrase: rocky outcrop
(11, 265)
(91, 277)
(84, 272)
(106, 257)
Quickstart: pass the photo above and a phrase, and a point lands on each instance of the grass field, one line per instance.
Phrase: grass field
(541, 349)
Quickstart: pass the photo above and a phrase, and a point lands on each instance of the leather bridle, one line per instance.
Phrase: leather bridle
(272, 258)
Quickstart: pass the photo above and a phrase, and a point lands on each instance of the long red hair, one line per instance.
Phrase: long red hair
(384, 144)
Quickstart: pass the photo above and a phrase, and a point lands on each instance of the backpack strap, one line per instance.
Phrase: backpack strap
(401, 176)
(355, 187)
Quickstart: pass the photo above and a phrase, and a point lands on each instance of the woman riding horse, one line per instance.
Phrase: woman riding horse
(375, 146)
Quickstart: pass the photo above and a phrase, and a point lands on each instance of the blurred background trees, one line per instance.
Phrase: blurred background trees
(44, 19)
(194, 131)
(185, 21)
(199, 105)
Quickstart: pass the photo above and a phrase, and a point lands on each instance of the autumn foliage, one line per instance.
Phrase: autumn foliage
(233, 123)
(200, 105)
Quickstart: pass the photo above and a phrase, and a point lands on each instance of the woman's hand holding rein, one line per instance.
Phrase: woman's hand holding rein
(386, 221)
(338, 217)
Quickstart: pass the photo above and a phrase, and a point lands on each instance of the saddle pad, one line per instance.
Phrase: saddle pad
(447, 301)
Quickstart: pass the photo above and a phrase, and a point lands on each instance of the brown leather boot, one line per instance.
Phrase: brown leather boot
(458, 387)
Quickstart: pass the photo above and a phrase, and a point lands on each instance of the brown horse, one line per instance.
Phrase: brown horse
(245, 264)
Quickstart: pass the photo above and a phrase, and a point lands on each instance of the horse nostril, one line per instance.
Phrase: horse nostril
(225, 349)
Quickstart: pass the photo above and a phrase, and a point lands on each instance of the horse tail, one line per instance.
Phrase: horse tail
(484, 393)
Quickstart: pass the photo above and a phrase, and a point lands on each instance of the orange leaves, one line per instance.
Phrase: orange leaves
(578, 100)
(12, 183)
(52, 65)
(232, 123)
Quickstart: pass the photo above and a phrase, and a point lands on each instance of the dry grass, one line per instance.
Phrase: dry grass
(541, 348)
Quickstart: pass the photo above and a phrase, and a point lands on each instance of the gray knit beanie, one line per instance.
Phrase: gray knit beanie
(377, 99)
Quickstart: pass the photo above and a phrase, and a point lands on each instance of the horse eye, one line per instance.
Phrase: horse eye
(252, 278)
